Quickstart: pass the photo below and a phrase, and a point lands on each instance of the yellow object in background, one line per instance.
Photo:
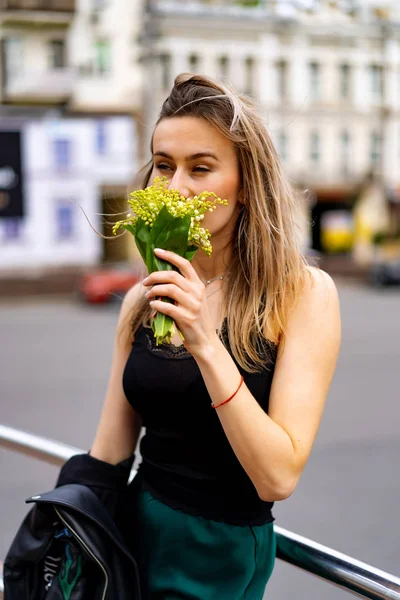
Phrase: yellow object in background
(337, 231)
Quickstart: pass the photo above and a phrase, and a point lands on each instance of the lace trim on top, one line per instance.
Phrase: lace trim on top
(170, 350)
(165, 350)
(266, 348)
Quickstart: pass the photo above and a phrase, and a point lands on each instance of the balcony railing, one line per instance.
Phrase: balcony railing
(51, 86)
(334, 567)
(39, 5)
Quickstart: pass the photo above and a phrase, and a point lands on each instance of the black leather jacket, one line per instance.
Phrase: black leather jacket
(69, 548)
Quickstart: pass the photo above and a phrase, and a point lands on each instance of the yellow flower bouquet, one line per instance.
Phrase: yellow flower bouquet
(163, 218)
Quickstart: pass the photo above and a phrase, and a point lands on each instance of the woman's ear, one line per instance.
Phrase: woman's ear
(241, 196)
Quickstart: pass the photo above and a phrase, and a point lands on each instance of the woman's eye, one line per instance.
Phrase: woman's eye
(162, 167)
(201, 169)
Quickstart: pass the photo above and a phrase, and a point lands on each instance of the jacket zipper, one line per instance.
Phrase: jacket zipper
(88, 550)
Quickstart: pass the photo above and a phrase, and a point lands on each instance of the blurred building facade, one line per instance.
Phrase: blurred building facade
(325, 73)
(75, 172)
(66, 89)
(34, 47)
(105, 54)
(327, 79)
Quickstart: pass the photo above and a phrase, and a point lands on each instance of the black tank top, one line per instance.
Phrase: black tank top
(187, 461)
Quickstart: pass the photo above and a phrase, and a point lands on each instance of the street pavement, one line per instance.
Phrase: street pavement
(54, 362)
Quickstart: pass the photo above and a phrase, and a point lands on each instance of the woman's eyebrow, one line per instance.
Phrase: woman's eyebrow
(188, 158)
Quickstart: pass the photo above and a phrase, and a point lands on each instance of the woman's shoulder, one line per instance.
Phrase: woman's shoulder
(313, 326)
(318, 303)
(318, 284)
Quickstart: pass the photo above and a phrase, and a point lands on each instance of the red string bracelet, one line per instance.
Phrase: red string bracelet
(230, 398)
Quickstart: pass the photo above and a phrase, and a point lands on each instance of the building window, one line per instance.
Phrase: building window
(249, 86)
(99, 4)
(345, 155)
(57, 54)
(376, 83)
(315, 80)
(315, 148)
(12, 229)
(345, 74)
(193, 63)
(101, 138)
(165, 60)
(65, 220)
(283, 146)
(223, 67)
(62, 154)
(282, 79)
(13, 57)
(103, 57)
(376, 149)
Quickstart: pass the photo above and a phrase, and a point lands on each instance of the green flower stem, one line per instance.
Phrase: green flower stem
(164, 327)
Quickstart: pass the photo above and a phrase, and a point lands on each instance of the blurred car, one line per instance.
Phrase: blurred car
(385, 273)
(107, 283)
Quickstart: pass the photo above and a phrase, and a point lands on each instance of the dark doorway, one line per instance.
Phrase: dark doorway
(115, 249)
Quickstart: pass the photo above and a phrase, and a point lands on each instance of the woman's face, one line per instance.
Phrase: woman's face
(195, 156)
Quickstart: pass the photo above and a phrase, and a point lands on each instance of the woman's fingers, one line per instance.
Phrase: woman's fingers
(171, 277)
(169, 291)
(166, 308)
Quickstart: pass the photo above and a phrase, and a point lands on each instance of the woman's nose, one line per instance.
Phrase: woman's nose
(180, 182)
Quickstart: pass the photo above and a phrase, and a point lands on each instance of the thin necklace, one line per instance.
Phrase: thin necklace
(214, 292)
(217, 278)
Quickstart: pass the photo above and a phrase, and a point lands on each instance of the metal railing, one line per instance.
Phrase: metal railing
(339, 569)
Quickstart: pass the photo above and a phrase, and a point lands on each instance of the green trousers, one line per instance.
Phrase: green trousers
(187, 557)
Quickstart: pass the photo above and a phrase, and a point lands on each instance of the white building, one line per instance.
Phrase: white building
(327, 80)
(70, 167)
(34, 49)
(105, 53)
(69, 82)
(82, 54)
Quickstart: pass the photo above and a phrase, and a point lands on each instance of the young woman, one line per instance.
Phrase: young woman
(232, 413)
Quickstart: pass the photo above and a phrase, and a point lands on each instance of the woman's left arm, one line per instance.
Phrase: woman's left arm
(273, 449)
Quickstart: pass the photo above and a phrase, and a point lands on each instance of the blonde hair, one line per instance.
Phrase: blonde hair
(268, 269)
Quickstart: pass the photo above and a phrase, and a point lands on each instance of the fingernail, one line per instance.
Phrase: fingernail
(159, 250)
(145, 280)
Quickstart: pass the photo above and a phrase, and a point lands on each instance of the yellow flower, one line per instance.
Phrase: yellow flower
(146, 204)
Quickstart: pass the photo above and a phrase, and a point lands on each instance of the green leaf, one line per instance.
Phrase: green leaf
(170, 233)
(142, 236)
(173, 236)
(190, 252)
(163, 219)
(163, 327)
(129, 228)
